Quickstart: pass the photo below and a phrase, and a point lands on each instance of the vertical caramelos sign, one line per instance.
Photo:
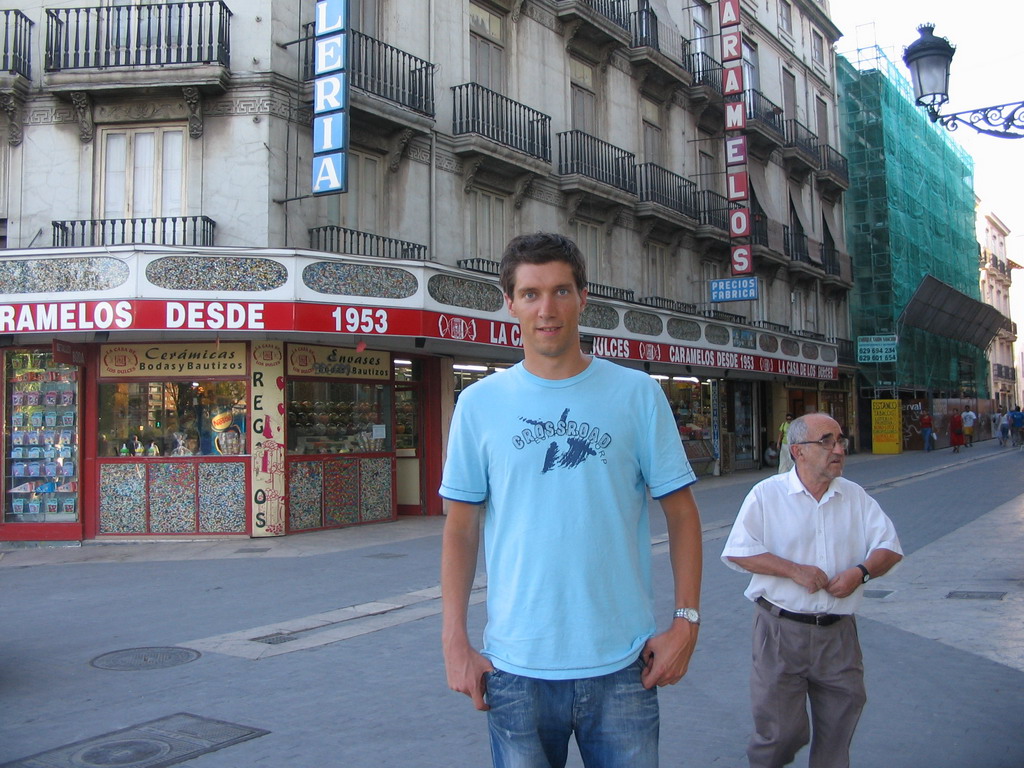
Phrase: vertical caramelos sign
(330, 98)
(737, 180)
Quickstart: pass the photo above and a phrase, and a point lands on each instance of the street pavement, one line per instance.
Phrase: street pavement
(326, 645)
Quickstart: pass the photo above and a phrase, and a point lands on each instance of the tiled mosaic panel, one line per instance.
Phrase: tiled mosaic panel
(643, 322)
(768, 343)
(122, 498)
(172, 497)
(790, 347)
(222, 497)
(60, 275)
(459, 292)
(375, 485)
(216, 273)
(686, 330)
(828, 354)
(341, 492)
(360, 280)
(599, 316)
(810, 350)
(717, 334)
(305, 485)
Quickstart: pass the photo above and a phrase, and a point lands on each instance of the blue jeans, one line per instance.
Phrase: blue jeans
(614, 718)
(926, 433)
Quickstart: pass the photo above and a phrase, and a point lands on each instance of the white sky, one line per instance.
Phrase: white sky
(983, 73)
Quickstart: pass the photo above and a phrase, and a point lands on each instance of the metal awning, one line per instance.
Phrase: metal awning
(943, 310)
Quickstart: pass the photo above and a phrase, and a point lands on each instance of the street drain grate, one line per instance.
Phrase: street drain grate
(877, 594)
(275, 639)
(968, 595)
(156, 744)
(135, 659)
(252, 550)
(384, 556)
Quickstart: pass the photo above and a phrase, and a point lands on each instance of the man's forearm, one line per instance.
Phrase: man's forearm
(460, 546)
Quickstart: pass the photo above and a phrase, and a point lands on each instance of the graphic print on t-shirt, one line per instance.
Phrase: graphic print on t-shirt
(567, 443)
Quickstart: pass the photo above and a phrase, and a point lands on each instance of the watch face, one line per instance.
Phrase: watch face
(689, 614)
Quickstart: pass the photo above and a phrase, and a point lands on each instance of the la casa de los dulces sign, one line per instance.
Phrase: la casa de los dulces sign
(305, 317)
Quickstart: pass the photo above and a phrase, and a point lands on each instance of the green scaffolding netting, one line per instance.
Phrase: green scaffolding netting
(909, 212)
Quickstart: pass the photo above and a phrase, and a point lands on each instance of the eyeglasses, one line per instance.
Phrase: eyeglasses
(828, 442)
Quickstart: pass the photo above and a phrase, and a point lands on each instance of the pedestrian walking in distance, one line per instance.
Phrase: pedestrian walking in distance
(564, 450)
(811, 539)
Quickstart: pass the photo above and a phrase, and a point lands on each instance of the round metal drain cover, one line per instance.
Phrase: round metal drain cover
(125, 752)
(145, 658)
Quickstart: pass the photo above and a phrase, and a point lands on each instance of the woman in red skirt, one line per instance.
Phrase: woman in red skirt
(956, 431)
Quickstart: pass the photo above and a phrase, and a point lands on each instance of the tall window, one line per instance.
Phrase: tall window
(789, 94)
(143, 172)
(830, 321)
(487, 47)
(817, 48)
(360, 207)
(584, 97)
(821, 108)
(656, 278)
(751, 74)
(362, 15)
(651, 119)
(799, 300)
(707, 172)
(700, 13)
(487, 234)
(786, 16)
(590, 241)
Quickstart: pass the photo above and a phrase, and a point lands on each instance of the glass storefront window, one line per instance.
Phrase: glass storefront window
(467, 373)
(42, 458)
(173, 418)
(338, 417)
(691, 403)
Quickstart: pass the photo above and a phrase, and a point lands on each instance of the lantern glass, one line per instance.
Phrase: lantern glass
(928, 59)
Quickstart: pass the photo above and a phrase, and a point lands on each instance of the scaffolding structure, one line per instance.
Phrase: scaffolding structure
(909, 213)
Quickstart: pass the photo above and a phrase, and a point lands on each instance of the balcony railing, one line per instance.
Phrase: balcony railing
(830, 261)
(770, 326)
(763, 110)
(831, 160)
(846, 351)
(805, 334)
(759, 229)
(335, 239)
(794, 245)
(706, 71)
(614, 10)
(482, 111)
(800, 136)
(649, 32)
(714, 209)
(138, 35)
(670, 304)
(1007, 372)
(477, 264)
(659, 185)
(609, 292)
(725, 317)
(588, 156)
(157, 230)
(380, 69)
(16, 32)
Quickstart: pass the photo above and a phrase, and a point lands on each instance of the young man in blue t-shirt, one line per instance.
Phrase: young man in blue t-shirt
(562, 450)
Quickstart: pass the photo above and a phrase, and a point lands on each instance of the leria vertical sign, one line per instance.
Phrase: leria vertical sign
(330, 98)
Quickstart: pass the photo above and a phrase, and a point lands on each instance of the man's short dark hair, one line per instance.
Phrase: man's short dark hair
(540, 248)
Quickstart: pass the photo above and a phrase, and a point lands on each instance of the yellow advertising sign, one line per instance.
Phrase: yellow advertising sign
(146, 361)
(886, 426)
(338, 363)
(266, 406)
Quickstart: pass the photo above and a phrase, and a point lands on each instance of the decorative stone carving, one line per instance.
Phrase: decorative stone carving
(194, 103)
(11, 105)
(523, 184)
(396, 148)
(82, 103)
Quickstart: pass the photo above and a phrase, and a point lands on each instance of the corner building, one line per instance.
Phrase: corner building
(194, 344)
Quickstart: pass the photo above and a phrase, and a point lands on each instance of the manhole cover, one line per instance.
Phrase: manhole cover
(144, 658)
(122, 752)
(968, 595)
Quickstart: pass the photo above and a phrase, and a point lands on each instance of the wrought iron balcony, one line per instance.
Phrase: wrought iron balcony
(794, 245)
(845, 349)
(726, 317)
(764, 111)
(649, 32)
(706, 71)
(380, 69)
(138, 36)
(714, 209)
(805, 334)
(581, 153)
(759, 229)
(335, 239)
(486, 266)
(16, 32)
(482, 111)
(800, 137)
(609, 292)
(830, 261)
(659, 185)
(770, 326)
(615, 11)
(670, 304)
(833, 172)
(156, 230)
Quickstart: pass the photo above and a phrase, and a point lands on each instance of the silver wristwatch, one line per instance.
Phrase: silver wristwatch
(690, 614)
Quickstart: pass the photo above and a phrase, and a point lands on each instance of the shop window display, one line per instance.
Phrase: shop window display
(42, 457)
(172, 418)
(338, 417)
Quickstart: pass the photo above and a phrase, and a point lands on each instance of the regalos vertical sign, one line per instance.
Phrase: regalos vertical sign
(330, 98)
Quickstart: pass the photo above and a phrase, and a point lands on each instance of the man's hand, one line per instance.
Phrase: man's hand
(667, 654)
(466, 669)
(810, 577)
(845, 583)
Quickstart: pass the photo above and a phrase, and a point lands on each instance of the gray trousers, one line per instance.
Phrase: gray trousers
(794, 662)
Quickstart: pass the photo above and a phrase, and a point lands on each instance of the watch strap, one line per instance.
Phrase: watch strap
(866, 574)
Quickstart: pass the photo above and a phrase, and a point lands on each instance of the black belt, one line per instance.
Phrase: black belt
(820, 619)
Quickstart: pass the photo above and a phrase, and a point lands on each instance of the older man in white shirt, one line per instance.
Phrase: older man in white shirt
(811, 539)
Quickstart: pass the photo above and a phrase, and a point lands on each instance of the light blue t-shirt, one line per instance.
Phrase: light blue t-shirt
(564, 467)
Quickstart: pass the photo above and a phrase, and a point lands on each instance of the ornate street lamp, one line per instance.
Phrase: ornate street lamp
(928, 60)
